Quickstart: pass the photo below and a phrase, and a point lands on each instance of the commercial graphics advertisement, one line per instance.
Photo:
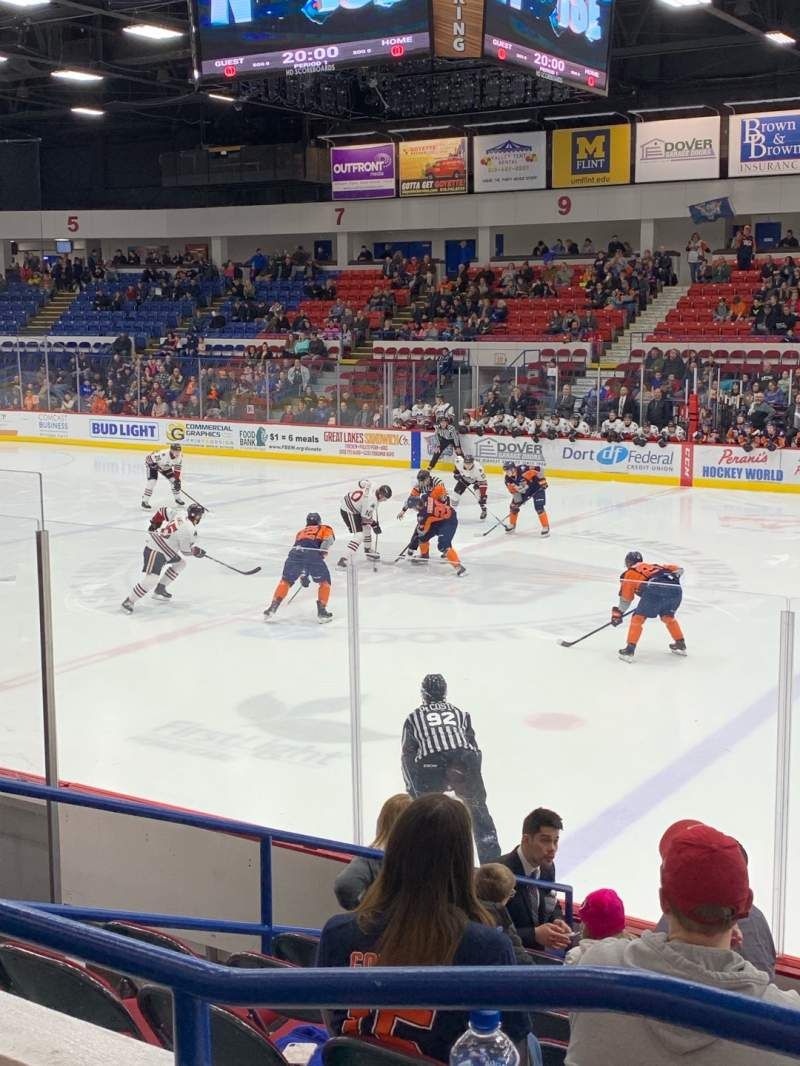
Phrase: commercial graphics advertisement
(433, 168)
(597, 155)
(562, 40)
(518, 161)
(764, 144)
(678, 150)
(363, 172)
(237, 37)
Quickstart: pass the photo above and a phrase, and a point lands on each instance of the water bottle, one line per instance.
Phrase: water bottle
(484, 1043)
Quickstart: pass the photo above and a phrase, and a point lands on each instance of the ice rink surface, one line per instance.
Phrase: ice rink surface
(199, 702)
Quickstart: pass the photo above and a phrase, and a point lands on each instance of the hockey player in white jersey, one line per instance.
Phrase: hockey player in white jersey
(359, 511)
(470, 476)
(167, 462)
(172, 534)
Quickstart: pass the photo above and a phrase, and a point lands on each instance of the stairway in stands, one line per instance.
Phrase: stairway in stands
(42, 322)
(655, 312)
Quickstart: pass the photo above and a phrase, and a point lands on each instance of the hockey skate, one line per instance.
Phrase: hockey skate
(511, 529)
(161, 590)
(273, 607)
(342, 564)
(323, 614)
(627, 653)
(373, 557)
(483, 512)
(678, 648)
(546, 532)
(460, 570)
(127, 605)
(146, 505)
(420, 560)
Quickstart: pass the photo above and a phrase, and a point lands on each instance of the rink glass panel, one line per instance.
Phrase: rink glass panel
(791, 810)
(198, 701)
(22, 735)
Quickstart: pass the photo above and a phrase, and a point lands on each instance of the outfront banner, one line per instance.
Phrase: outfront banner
(433, 168)
(595, 155)
(363, 172)
(678, 149)
(506, 164)
(760, 144)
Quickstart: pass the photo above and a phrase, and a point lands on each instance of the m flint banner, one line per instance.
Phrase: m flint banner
(508, 164)
(766, 143)
(595, 155)
(363, 171)
(433, 168)
(678, 149)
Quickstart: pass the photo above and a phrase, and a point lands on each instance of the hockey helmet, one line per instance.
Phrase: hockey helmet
(195, 512)
(175, 447)
(469, 460)
(632, 558)
(423, 476)
(384, 493)
(434, 687)
(313, 519)
(509, 466)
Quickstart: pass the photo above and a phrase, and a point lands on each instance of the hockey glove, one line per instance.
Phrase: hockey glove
(401, 515)
(168, 474)
(197, 551)
(176, 484)
(376, 529)
(305, 580)
(155, 522)
(616, 616)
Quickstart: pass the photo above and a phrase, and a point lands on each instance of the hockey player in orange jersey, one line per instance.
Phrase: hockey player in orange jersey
(435, 518)
(658, 586)
(306, 561)
(526, 483)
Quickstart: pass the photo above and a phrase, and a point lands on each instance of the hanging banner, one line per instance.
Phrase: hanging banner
(457, 29)
(678, 149)
(599, 155)
(362, 172)
(506, 165)
(433, 168)
(764, 144)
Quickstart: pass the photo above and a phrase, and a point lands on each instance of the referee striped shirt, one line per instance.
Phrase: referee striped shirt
(448, 435)
(437, 727)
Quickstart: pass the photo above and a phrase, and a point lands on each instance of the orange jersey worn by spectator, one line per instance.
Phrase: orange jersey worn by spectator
(659, 590)
(526, 483)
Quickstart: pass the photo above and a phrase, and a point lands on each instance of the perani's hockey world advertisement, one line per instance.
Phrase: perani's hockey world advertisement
(566, 40)
(241, 36)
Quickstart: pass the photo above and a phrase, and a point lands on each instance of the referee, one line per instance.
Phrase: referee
(441, 754)
(447, 437)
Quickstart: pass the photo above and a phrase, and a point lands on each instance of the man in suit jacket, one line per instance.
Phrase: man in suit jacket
(624, 405)
(536, 913)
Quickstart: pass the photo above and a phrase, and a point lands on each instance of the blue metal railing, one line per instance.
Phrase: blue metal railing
(266, 836)
(196, 984)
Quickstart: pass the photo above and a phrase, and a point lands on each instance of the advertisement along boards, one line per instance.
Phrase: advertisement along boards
(762, 144)
(363, 171)
(433, 168)
(678, 149)
(509, 163)
(595, 155)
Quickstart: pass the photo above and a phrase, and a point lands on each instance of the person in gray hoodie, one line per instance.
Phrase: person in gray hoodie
(704, 892)
(361, 871)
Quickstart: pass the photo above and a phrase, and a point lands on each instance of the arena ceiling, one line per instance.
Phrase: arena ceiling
(662, 57)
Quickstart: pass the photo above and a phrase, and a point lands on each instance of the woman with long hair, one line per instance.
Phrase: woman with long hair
(421, 911)
(360, 872)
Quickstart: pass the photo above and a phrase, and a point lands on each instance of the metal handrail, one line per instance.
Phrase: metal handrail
(196, 984)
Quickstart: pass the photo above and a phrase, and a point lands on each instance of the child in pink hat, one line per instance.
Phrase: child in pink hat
(602, 916)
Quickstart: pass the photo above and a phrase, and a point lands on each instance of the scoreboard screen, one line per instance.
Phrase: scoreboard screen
(263, 36)
(564, 40)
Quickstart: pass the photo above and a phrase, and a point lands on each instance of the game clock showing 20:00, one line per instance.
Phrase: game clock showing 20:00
(258, 36)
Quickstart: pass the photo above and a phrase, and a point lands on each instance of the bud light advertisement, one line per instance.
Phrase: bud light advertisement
(363, 172)
(236, 37)
(564, 40)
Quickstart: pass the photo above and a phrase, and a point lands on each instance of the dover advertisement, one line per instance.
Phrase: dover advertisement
(678, 150)
(508, 164)
(764, 144)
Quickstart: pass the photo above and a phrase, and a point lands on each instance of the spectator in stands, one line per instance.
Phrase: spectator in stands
(495, 885)
(696, 252)
(587, 248)
(739, 308)
(299, 377)
(364, 255)
(659, 410)
(540, 249)
(602, 916)
(615, 246)
(536, 912)
(361, 872)
(565, 407)
(745, 246)
(789, 240)
(722, 311)
(759, 411)
(704, 892)
(421, 911)
(623, 404)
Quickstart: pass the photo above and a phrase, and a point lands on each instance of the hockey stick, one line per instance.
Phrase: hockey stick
(500, 521)
(235, 569)
(491, 529)
(208, 509)
(402, 553)
(299, 588)
(572, 643)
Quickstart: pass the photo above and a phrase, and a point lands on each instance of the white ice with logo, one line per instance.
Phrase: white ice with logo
(199, 702)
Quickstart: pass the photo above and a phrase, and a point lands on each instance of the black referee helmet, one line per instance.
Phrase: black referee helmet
(434, 687)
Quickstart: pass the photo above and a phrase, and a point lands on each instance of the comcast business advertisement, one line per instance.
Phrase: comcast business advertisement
(764, 144)
(678, 149)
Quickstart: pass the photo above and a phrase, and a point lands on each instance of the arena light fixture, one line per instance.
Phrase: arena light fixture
(686, 3)
(347, 136)
(661, 110)
(220, 97)
(76, 75)
(779, 37)
(152, 32)
(572, 118)
(26, 3)
(3, 59)
(90, 112)
(768, 100)
(420, 129)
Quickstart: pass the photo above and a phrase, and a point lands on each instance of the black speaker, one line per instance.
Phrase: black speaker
(14, 247)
